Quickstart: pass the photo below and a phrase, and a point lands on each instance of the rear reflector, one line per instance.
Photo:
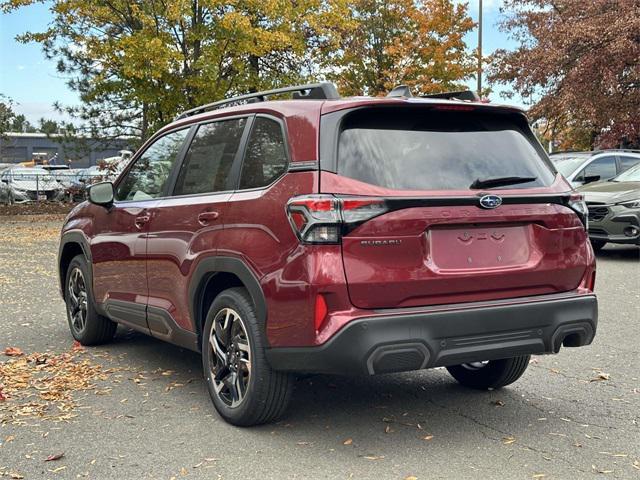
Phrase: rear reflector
(320, 311)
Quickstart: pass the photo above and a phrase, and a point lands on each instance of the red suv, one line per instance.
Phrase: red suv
(322, 234)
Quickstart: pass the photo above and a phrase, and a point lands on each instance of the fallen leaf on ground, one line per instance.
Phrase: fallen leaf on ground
(599, 470)
(601, 376)
(56, 456)
(348, 441)
(508, 440)
(410, 477)
(539, 475)
(498, 403)
(13, 352)
(373, 457)
(56, 470)
(428, 437)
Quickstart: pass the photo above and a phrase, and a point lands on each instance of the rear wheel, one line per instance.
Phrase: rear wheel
(597, 245)
(86, 325)
(244, 389)
(490, 374)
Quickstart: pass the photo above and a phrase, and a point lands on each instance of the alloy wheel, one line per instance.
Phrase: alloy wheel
(229, 357)
(77, 300)
(475, 365)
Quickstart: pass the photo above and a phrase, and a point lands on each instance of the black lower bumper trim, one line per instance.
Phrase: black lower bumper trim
(414, 341)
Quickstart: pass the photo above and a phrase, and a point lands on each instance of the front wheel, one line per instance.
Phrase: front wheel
(490, 374)
(244, 389)
(87, 326)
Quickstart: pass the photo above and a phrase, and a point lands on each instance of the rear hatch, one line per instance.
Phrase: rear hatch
(430, 239)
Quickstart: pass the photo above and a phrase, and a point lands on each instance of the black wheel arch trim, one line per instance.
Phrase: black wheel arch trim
(77, 237)
(206, 269)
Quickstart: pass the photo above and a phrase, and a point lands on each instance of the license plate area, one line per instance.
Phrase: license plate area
(479, 247)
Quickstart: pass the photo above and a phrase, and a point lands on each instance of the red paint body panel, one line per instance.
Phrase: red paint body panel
(176, 240)
(119, 250)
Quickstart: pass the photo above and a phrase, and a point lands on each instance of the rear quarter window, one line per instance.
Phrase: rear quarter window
(428, 149)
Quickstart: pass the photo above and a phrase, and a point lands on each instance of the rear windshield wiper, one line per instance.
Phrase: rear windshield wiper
(499, 182)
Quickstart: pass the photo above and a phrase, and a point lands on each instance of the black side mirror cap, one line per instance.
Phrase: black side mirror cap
(101, 194)
(591, 178)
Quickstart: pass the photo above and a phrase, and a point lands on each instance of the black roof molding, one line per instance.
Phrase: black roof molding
(310, 91)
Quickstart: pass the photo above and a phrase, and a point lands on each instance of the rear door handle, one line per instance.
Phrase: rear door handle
(205, 217)
(142, 220)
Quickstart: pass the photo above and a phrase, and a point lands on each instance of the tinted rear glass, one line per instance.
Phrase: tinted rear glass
(427, 149)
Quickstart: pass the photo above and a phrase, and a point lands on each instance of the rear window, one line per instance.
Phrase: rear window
(411, 149)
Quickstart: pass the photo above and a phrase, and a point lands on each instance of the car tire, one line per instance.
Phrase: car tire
(245, 390)
(87, 326)
(597, 245)
(493, 374)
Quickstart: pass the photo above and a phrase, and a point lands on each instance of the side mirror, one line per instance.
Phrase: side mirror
(591, 178)
(101, 194)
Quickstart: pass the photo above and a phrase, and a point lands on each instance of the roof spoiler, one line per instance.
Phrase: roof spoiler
(405, 92)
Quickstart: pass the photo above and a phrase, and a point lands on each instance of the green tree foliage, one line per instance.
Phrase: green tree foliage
(137, 63)
(385, 43)
(578, 64)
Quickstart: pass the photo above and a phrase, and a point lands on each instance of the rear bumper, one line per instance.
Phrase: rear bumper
(415, 341)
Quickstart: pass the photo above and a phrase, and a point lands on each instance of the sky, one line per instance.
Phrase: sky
(33, 83)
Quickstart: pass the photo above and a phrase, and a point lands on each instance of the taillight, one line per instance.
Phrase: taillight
(324, 218)
(578, 205)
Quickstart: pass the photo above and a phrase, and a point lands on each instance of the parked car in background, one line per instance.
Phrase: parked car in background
(430, 232)
(581, 168)
(21, 185)
(83, 178)
(614, 209)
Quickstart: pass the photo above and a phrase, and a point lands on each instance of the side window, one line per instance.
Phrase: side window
(627, 161)
(604, 167)
(208, 161)
(149, 174)
(265, 158)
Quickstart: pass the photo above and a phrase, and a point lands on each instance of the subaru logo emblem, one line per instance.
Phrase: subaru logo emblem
(490, 201)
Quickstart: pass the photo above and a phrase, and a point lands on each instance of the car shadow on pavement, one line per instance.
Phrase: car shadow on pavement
(412, 406)
(619, 252)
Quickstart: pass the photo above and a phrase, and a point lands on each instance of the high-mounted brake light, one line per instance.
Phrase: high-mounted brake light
(462, 108)
(324, 219)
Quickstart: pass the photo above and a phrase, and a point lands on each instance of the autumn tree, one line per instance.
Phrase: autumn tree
(578, 65)
(384, 43)
(136, 63)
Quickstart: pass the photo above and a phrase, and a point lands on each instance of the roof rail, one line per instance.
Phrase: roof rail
(600, 150)
(312, 91)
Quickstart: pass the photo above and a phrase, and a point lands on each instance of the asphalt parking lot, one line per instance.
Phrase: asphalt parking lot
(138, 408)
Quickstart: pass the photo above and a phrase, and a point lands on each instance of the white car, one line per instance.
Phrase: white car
(21, 185)
(581, 168)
